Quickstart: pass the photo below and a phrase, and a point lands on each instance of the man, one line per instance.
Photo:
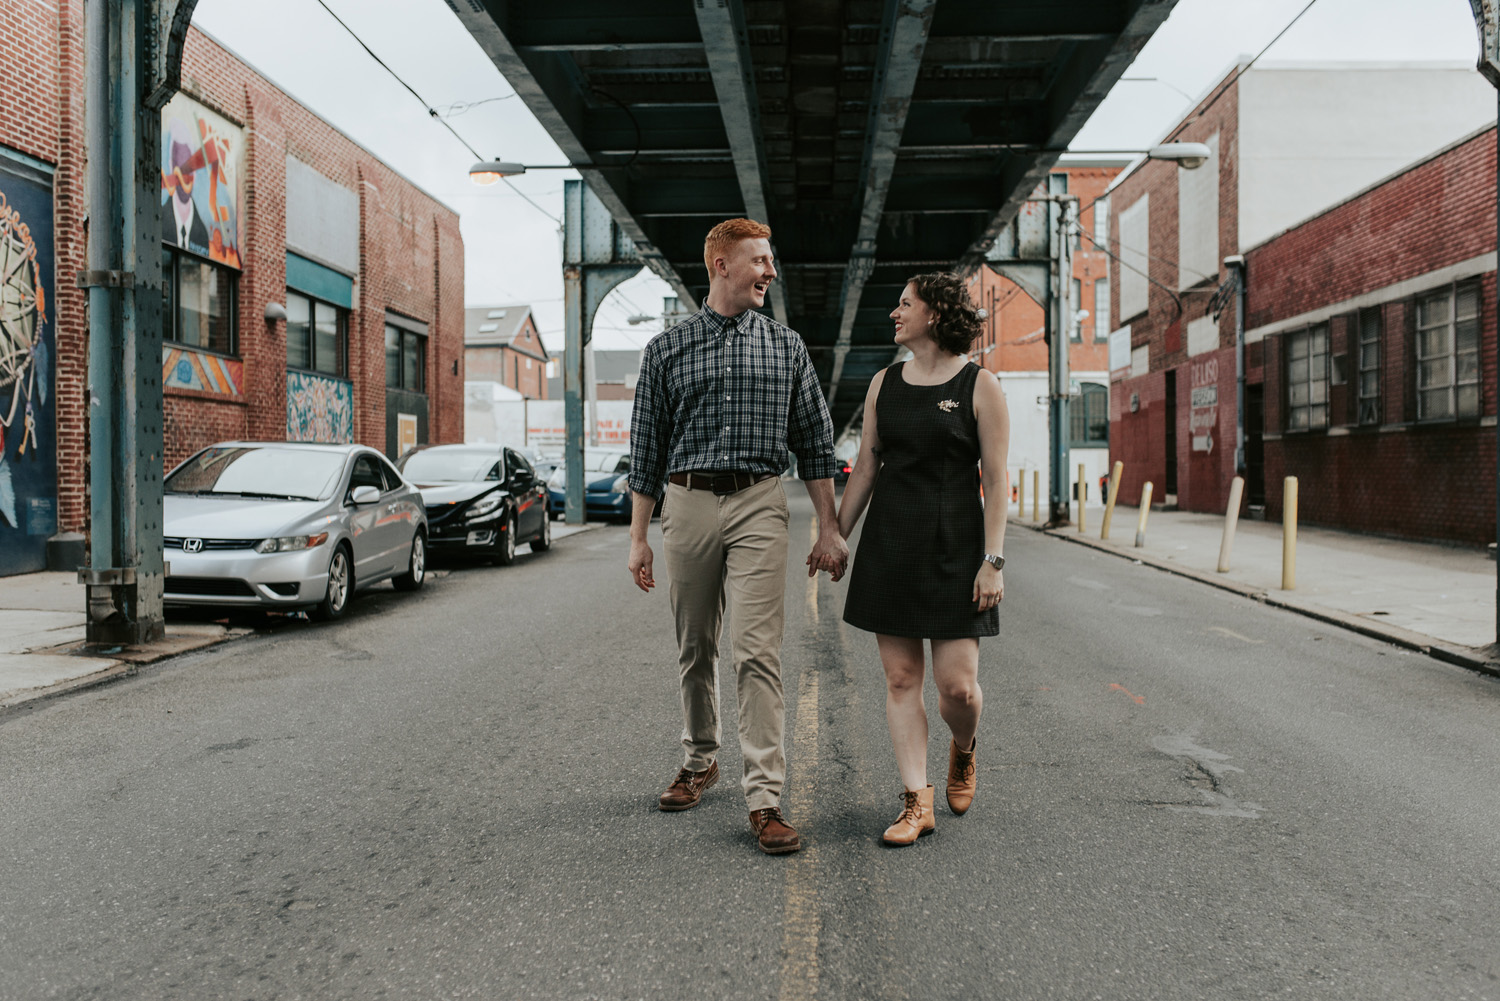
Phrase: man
(721, 397)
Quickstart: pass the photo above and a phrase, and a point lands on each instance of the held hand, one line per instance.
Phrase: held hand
(831, 554)
(640, 565)
(989, 587)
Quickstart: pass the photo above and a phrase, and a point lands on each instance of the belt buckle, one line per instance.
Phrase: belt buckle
(717, 483)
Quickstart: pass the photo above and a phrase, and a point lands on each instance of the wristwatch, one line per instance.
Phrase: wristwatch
(998, 562)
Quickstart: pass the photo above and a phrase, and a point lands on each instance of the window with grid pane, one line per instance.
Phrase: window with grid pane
(1307, 378)
(1448, 354)
(1369, 367)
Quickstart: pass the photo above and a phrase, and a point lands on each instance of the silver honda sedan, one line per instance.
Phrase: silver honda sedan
(284, 525)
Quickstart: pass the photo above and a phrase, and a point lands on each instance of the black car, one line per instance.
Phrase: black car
(482, 500)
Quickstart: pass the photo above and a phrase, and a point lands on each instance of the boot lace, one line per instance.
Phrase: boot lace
(913, 809)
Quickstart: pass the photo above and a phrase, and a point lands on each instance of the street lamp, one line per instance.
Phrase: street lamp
(1189, 156)
(487, 172)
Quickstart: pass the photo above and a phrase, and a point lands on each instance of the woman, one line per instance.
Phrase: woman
(930, 557)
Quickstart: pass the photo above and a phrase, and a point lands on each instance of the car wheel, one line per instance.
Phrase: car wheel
(506, 555)
(543, 542)
(340, 587)
(416, 569)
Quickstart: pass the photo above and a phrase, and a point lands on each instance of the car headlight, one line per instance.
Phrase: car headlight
(482, 507)
(291, 543)
(621, 485)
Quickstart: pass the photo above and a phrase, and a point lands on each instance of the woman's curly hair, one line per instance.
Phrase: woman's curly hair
(956, 323)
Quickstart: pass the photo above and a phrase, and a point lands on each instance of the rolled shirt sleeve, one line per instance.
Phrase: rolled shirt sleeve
(650, 429)
(809, 427)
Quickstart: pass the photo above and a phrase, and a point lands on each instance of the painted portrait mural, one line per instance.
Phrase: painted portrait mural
(28, 443)
(202, 160)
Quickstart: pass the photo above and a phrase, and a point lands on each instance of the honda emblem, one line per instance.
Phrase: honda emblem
(192, 545)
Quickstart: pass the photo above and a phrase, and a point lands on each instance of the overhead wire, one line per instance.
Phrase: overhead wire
(431, 111)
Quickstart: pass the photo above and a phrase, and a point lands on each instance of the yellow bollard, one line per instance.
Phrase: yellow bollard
(1109, 502)
(1083, 492)
(1140, 526)
(1289, 534)
(1036, 495)
(1021, 494)
(1231, 521)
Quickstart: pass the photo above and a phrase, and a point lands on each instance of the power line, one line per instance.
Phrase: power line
(431, 111)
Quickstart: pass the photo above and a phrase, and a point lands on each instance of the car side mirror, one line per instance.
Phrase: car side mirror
(360, 496)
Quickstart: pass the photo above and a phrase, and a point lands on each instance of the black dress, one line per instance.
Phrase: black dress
(923, 539)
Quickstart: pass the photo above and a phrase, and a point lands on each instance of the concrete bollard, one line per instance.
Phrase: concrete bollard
(1036, 495)
(1289, 534)
(1231, 521)
(1140, 526)
(1109, 501)
(1083, 493)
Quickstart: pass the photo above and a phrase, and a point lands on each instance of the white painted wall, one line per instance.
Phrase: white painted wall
(1026, 399)
(1135, 246)
(1198, 220)
(1312, 135)
(498, 414)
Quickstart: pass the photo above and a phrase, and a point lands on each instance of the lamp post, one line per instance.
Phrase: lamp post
(1487, 23)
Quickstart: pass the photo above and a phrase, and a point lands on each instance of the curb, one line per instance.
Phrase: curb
(1406, 639)
(122, 663)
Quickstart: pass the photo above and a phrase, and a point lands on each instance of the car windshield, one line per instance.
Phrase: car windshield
(593, 462)
(432, 465)
(258, 471)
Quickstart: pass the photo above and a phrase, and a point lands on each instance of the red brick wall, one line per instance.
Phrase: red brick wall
(1139, 439)
(411, 249)
(1420, 480)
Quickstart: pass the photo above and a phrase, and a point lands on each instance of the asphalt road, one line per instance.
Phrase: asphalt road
(1182, 795)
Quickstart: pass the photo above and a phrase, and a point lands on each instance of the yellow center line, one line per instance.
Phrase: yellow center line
(802, 923)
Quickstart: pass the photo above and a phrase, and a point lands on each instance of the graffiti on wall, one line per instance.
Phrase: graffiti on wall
(201, 156)
(28, 449)
(185, 369)
(319, 408)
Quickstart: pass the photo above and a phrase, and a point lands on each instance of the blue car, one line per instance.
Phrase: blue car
(607, 488)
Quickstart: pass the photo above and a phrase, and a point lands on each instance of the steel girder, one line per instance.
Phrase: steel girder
(878, 138)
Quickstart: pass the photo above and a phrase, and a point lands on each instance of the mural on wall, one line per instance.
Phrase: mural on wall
(28, 448)
(201, 157)
(182, 368)
(319, 408)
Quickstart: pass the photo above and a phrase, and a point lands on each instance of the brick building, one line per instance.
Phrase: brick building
(266, 210)
(1288, 141)
(1372, 329)
(501, 344)
(1011, 341)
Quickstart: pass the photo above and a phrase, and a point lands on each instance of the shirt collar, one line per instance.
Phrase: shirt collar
(722, 323)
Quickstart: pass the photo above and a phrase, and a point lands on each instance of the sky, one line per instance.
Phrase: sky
(512, 248)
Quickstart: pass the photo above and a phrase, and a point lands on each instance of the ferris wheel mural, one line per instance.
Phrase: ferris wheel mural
(28, 457)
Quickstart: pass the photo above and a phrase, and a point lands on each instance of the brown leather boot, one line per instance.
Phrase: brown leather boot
(961, 777)
(687, 788)
(774, 835)
(916, 818)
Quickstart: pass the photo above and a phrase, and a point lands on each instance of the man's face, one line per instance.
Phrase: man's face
(747, 272)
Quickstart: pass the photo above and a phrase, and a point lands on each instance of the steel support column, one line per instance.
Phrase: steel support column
(134, 57)
(1487, 23)
(597, 256)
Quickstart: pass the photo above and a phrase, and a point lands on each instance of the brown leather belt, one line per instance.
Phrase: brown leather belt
(719, 483)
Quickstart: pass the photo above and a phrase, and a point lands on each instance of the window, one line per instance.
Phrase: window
(1368, 392)
(1101, 221)
(1307, 378)
(1101, 309)
(316, 333)
(366, 474)
(405, 359)
(1448, 354)
(201, 302)
(1088, 412)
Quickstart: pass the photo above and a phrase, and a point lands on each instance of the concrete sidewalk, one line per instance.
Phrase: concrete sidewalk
(42, 648)
(1433, 598)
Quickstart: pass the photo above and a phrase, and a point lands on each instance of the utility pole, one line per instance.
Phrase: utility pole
(1487, 23)
(134, 60)
(1062, 208)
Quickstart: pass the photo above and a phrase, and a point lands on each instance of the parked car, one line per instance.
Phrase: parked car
(283, 525)
(841, 472)
(482, 500)
(606, 493)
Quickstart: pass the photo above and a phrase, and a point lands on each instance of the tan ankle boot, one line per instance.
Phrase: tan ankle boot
(916, 818)
(961, 777)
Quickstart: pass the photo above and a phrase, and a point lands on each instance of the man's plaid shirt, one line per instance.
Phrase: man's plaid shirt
(727, 395)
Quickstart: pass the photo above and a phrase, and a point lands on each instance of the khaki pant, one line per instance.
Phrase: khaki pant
(731, 547)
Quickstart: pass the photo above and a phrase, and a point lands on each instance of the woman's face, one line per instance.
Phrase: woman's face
(914, 318)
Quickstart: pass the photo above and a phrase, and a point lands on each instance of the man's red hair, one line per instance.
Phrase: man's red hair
(722, 238)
